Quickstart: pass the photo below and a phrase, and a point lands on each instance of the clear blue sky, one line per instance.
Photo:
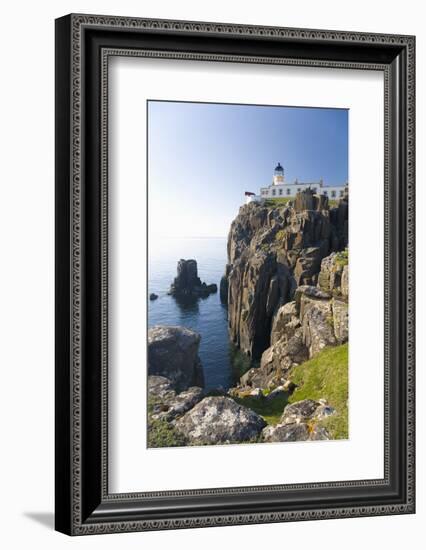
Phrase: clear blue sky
(202, 157)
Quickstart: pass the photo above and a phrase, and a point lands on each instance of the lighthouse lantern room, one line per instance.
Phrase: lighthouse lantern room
(278, 178)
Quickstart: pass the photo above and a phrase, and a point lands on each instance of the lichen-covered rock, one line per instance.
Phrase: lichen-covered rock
(316, 316)
(319, 433)
(307, 266)
(309, 291)
(323, 411)
(173, 406)
(340, 320)
(333, 276)
(301, 411)
(278, 359)
(344, 287)
(160, 387)
(173, 353)
(330, 275)
(283, 316)
(286, 432)
(216, 420)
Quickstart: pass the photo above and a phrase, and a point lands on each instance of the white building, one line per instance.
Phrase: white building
(279, 188)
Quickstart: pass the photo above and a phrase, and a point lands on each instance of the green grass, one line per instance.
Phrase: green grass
(240, 362)
(342, 258)
(280, 235)
(326, 376)
(162, 434)
(278, 201)
(270, 409)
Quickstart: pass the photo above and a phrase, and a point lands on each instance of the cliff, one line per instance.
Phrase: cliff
(273, 251)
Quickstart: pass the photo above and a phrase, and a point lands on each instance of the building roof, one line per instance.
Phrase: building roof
(279, 168)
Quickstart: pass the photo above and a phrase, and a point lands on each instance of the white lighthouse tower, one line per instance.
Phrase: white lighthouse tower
(278, 178)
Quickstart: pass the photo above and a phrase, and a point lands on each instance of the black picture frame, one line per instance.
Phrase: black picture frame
(83, 45)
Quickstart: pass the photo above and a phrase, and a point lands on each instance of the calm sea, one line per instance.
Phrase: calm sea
(207, 316)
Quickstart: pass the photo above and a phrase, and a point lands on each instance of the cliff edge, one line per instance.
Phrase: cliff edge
(275, 249)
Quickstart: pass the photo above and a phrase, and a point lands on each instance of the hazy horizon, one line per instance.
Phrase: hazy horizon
(202, 157)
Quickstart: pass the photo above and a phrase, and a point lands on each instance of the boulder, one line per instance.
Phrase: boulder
(160, 387)
(278, 359)
(173, 406)
(285, 432)
(216, 420)
(153, 296)
(173, 353)
(301, 411)
(319, 433)
(323, 411)
(277, 392)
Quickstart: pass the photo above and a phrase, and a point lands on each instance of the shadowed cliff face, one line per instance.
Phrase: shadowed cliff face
(271, 252)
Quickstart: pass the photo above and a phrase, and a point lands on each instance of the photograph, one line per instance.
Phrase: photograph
(247, 274)
(234, 274)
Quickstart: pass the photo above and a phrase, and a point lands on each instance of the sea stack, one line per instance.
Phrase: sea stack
(187, 282)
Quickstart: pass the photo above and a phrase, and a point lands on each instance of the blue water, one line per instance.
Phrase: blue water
(207, 316)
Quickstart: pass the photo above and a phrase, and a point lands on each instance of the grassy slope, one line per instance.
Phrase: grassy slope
(326, 376)
(277, 201)
(271, 410)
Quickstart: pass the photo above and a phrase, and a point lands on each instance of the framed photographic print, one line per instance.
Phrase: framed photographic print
(234, 274)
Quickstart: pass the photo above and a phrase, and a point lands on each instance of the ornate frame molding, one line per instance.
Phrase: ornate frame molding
(72, 44)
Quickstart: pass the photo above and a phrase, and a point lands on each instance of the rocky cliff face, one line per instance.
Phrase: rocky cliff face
(272, 251)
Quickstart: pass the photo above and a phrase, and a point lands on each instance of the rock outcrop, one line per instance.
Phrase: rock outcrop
(173, 354)
(300, 329)
(218, 420)
(287, 285)
(166, 403)
(300, 422)
(187, 282)
(271, 252)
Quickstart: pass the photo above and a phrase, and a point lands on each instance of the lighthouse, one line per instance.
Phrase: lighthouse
(278, 178)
